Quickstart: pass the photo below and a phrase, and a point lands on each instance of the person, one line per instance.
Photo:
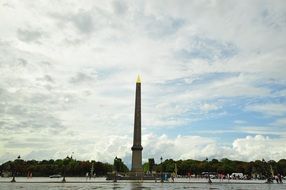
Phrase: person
(173, 176)
(86, 175)
(221, 176)
(276, 178)
(280, 178)
(209, 181)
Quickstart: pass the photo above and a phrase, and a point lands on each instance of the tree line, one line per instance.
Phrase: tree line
(45, 168)
(73, 167)
(225, 166)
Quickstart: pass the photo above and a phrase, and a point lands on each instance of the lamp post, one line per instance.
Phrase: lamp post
(14, 169)
(209, 178)
(13, 172)
(65, 162)
(161, 170)
(267, 171)
(115, 164)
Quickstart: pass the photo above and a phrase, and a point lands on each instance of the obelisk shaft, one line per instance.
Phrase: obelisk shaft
(137, 147)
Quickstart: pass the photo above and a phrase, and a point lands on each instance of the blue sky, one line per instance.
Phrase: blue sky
(213, 79)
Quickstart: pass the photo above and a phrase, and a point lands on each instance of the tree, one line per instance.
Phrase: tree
(151, 163)
(281, 167)
(145, 167)
(119, 166)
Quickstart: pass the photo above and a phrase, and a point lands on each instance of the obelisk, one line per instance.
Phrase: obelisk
(137, 147)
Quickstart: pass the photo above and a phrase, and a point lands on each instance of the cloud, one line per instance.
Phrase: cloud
(81, 77)
(29, 35)
(120, 7)
(280, 122)
(179, 147)
(159, 27)
(208, 107)
(46, 78)
(197, 147)
(206, 49)
(261, 130)
(83, 21)
(268, 109)
(246, 147)
(67, 74)
(239, 122)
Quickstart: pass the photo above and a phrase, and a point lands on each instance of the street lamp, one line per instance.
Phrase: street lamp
(14, 168)
(209, 181)
(161, 170)
(65, 162)
(116, 167)
(13, 171)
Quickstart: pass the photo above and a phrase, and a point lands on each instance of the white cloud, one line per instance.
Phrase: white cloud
(196, 147)
(70, 66)
(240, 122)
(208, 107)
(268, 109)
(266, 129)
(181, 147)
(105, 148)
(259, 147)
(280, 122)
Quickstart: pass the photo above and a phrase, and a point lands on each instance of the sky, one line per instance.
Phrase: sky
(213, 78)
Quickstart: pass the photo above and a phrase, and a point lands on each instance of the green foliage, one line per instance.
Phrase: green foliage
(281, 167)
(80, 168)
(46, 168)
(146, 167)
(119, 166)
(224, 166)
(151, 164)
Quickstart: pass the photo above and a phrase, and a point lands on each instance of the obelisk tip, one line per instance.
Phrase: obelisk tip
(138, 79)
